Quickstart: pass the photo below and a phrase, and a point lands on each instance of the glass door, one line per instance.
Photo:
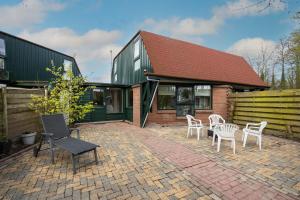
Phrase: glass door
(114, 100)
(185, 101)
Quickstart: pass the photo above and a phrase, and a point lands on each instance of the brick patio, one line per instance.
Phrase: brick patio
(157, 163)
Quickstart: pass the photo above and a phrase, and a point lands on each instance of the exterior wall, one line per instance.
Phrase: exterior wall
(125, 65)
(136, 105)
(26, 61)
(219, 106)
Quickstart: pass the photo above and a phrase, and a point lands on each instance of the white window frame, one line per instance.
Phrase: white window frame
(68, 64)
(137, 47)
(2, 50)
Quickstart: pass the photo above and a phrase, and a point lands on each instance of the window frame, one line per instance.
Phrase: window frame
(193, 97)
(138, 57)
(209, 94)
(174, 94)
(4, 43)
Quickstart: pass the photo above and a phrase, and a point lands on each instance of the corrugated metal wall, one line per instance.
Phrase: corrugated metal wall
(125, 66)
(26, 61)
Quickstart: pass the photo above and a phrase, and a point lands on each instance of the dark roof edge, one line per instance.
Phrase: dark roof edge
(223, 82)
(19, 38)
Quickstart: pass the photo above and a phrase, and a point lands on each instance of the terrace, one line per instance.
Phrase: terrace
(157, 163)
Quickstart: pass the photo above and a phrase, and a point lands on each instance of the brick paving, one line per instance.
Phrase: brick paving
(157, 163)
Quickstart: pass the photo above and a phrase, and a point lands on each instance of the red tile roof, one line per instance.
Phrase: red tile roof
(175, 58)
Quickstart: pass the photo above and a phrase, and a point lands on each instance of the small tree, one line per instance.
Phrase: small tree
(65, 91)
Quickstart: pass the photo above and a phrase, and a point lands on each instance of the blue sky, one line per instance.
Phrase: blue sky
(89, 29)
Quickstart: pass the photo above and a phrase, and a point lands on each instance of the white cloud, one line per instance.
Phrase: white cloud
(252, 47)
(194, 28)
(91, 49)
(27, 13)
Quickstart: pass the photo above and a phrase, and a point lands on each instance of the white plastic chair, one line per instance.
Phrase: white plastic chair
(215, 120)
(254, 129)
(225, 132)
(194, 124)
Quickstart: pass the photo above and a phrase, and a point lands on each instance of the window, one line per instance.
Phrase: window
(115, 66)
(67, 65)
(115, 75)
(203, 97)
(2, 47)
(137, 48)
(114, 100)
(129, 98)
(137, 65)
(98, 97)
(166, 97)
(1, 63)
(184, 101)
(184, 95)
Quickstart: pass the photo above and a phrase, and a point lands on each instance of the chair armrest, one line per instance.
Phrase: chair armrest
(77, 131)
(199, 121)
(252, 124)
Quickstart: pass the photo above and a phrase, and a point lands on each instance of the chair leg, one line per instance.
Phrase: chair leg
(233, 144)
(198, 133)
(96, 157)
(219, 144)
(245, 139)
(188, 132)
(74, 163)
(243, 134)
(213, 140)
(37, 149)
(259, 142)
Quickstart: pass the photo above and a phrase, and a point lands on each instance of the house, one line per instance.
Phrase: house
(163, 79)
(23, 63)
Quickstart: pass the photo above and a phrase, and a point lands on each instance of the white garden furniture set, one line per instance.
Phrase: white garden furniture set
(225, 131)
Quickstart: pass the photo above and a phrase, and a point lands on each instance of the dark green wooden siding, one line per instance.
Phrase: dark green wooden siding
(125, 65)
(26, 61)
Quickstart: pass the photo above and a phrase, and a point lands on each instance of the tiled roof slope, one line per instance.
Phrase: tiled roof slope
(176, 58)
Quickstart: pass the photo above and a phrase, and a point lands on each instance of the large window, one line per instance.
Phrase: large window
(114, 100)
(2, 48)
(67, 65)
(166, 97)
(98, 97)
(137, 48)
(203, 97)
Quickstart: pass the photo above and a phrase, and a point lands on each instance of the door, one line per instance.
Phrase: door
(184, 101)
(99, 112)
(114, 104)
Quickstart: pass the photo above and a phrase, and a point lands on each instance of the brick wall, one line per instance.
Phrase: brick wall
(136, 112)
(220, 105)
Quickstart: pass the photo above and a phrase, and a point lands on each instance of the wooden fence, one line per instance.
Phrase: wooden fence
(17, 117)
(281, 109)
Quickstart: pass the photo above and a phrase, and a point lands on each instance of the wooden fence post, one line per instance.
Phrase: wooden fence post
(5, 123)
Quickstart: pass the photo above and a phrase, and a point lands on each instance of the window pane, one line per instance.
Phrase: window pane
(203, 97)
(166, 97)
(182, 110)
(115, 66)
(2, 47)
(98, 97)
(1, 63)
(137, 48)
(137, 65)
(67, 65)
(114, 100)
(185, 95)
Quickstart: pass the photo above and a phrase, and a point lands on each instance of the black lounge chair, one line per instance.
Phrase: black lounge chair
(57, 134)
